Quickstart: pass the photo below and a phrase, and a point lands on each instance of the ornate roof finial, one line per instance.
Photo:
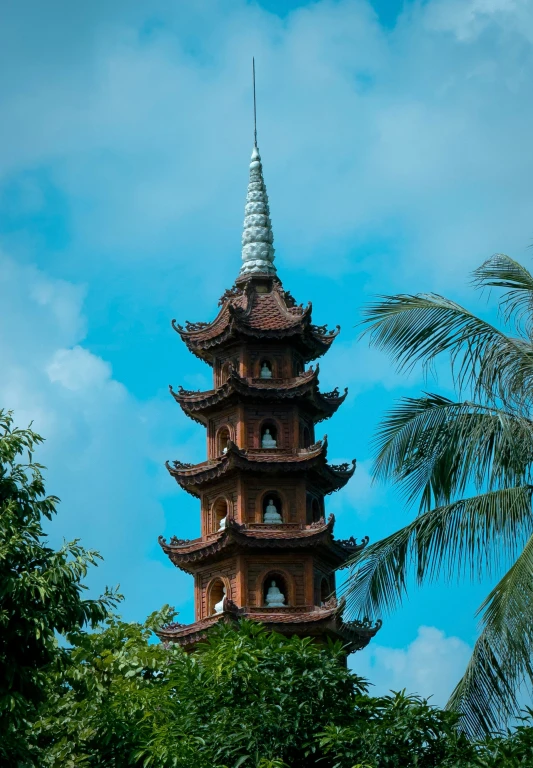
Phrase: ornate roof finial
(257, 237)
(255, 109)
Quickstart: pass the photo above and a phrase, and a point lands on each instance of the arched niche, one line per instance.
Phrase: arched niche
(313, 509)
(215, 593)
(219, 511)
(316, 510)
(269, 434)
(305, 436)
(274, 573)
(277, 501)
(223, 437)
(224, 372)
(280, 583)
(265, 368)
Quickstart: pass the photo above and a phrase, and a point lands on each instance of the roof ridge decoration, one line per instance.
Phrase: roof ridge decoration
(257, 236)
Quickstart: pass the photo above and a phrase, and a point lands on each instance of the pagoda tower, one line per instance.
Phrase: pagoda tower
(266, 551)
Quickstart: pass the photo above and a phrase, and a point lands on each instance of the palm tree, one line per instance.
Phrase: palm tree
(469, 463)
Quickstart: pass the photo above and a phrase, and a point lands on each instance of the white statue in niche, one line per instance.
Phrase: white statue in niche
(274, 598)
(267, 441)
(223, 523)
(266, 371)
(220, 605)
(271, 513)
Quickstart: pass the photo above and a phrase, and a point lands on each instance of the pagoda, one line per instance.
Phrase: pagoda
(266, 551)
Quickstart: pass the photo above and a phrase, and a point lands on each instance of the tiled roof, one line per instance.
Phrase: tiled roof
(269, 312)
(303, 388)
(306, 620)
(263, 314)
(313, 459)
(190, 554)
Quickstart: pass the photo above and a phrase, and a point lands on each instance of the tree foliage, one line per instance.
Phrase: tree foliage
(246, 697)
(468, 463)
(40, 589)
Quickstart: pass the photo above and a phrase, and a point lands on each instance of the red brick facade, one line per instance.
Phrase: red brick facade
(259, 326)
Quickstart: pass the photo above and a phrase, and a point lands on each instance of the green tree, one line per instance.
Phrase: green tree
(246, 697)
(468, 462)
(40, 589)
(107, 702)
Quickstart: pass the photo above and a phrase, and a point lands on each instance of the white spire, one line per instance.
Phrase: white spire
(257, 237)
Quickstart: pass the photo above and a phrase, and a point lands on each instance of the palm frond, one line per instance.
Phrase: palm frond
(500, 271)
(435, 447)
(416, 329)
(502, 657)
(473, 537)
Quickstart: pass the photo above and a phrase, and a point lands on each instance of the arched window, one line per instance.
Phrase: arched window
(272, 508)
(223, 438)
(215, 596)
(224, 374)
(313, 509)
(325, 591)
(269, 435)
(220, 514)
(265, 369)
(275, 593)
(306, 435)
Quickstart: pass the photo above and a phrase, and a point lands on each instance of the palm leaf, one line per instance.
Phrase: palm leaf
(473, 536)
(435, 448)
(502, 655)
(517, 304)
(416, 329)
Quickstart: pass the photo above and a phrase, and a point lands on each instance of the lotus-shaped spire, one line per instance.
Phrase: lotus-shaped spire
(257, 237)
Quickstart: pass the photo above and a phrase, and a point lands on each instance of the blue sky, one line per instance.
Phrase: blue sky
(396, 146)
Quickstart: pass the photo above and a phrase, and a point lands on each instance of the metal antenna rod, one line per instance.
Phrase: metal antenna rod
(255, 111)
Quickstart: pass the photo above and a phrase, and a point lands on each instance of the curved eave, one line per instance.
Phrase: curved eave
(304, 389)
(315, 622)
(331, 403)
(174, 632)
(313, 344)
(323, 338)
(337, 477)
(250, 459)
(187, 554)
(191, 476)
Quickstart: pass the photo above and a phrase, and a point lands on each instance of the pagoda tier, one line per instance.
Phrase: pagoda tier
(317, 538)
(265, 551)
(310, 462)
(301, 390)
(320, 623)
(262, 312)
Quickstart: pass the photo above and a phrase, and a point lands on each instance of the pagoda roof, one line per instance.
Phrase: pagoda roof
(257, 308)
(188, 554)
(311, 460)
(198, 404)
(305, 620)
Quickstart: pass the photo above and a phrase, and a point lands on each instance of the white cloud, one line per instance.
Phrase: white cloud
(78, 369)
(363, 130)
(361, 367)
(430, 666)
(102, 456)
(468, 18)
(360, 497)
(138, 116)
